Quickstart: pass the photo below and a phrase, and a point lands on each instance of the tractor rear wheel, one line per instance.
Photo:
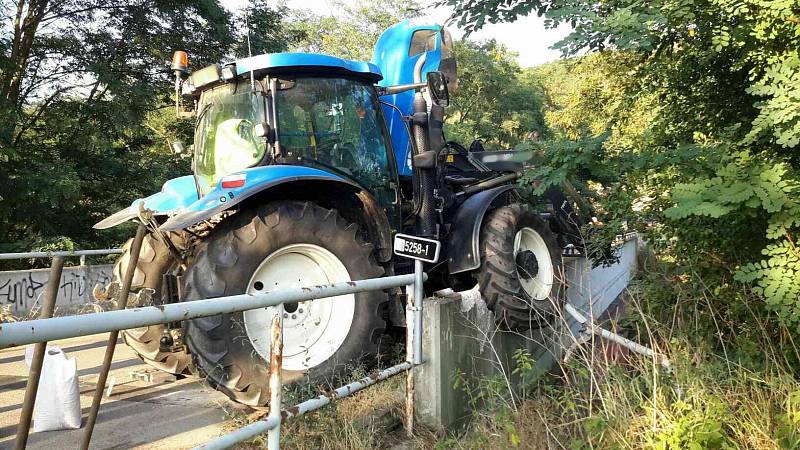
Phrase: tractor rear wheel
(521, 274)
(279, 245)
(154, 261)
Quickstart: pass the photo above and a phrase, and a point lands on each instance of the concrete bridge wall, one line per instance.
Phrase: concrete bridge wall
(22, 290)
(461, 337)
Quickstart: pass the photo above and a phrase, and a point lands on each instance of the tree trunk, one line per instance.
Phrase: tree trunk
(21, 45)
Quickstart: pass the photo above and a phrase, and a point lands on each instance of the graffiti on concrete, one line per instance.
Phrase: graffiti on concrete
(22, 289)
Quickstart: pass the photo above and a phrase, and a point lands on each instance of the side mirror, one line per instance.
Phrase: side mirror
(437, 88)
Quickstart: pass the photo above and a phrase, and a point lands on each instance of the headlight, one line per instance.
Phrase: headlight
(205, 76)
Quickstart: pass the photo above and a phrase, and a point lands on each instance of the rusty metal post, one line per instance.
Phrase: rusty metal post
(275, 386)
(122, 302)
(409, 376)
(49, 305)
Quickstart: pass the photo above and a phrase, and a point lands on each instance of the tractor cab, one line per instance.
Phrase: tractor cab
(292, 109)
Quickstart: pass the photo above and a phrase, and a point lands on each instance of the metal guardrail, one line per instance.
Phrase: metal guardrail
(40, 331)
(81, 253)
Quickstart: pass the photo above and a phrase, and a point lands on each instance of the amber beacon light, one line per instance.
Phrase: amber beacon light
(180, 62)
(180, 65)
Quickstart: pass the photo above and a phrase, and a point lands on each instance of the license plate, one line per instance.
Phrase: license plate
(416, 248)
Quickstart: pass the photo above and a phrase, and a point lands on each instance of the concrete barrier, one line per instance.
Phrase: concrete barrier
(21, 289)
(460, 336)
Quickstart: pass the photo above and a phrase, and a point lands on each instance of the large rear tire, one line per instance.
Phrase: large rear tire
(154, 261)
(521, 275)
(283, 244)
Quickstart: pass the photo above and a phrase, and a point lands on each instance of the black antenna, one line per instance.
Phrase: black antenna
(250, 53)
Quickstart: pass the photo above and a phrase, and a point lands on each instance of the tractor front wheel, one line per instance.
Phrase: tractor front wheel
(279, 245)
(154, 261)
(521, 275)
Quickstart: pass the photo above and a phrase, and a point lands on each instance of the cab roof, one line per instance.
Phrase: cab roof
(298, 63)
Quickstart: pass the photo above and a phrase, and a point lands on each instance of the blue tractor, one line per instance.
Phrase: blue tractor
(305, 167)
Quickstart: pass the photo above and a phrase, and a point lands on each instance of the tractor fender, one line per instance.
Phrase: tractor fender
(280, 182)
(463, 245)
(176, 194)
(255, 180)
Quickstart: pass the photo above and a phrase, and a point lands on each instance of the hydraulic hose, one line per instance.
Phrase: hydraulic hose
(490, 183)
(426, 220)
(426, 173)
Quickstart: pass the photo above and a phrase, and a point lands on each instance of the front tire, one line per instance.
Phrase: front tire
(521, 275)
(154, 261)
(283, 244)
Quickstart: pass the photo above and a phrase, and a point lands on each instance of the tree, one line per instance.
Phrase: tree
(717, 160)
(353, 31)
(85, 92)
(269, 32)
(493, 103)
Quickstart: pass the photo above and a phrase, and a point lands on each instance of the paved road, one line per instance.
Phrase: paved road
(171, 415)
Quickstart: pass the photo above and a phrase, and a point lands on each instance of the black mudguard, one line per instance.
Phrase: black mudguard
(462, 246)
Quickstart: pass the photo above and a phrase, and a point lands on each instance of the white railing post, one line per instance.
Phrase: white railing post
(413, 340)
(42, 330)
(419, 296)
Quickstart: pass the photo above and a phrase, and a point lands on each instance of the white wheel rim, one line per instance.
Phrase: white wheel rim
(537, 287)
(316, 329)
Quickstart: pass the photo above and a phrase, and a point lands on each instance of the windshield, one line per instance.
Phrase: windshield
(336, 123)
(225, 138)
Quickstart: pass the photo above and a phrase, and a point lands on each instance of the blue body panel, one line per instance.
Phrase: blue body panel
(294, 62)
(176, 194)
(391, 56)
(257, 179)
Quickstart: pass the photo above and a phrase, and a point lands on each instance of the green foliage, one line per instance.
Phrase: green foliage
(564, 160)
(747, 186)
(695, 426)
(583, 95)
(269, 32)
(86, 116)
(700, 104)
(352, 31)
(779, 114)
(493, 103)
(744, 183)
(777, 278)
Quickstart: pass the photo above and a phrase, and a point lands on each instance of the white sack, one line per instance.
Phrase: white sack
(58, 402)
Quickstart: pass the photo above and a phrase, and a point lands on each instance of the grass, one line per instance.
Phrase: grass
(734, 382)
(371, 418)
